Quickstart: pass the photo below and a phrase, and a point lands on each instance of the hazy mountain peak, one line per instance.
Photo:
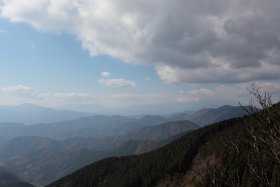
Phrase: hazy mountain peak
(212, 115)
(34, 114)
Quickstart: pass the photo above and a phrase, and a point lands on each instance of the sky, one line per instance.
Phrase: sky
(123, 53)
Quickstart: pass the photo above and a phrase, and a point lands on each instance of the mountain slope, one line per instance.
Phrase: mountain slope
(41, 160)
(10, 180)
(32, 157)
(162, 131)
(150, 134)
(143, 170)
(188, 161)
(209, 115)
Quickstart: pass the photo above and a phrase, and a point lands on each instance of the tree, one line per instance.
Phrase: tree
(263, 129)
(251, 150)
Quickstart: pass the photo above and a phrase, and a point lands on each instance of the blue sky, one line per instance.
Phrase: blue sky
(122, 53)
(39, 58)
(56, 63)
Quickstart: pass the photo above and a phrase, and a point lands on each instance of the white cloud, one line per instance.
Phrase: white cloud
(65, 98)
(105, 74)
(198, 96)
(217, 95)
(226, 93)
(187, 41)
(117, 82)
(24, 94)
(140, 99)
(242, 89)
(195, 95)
(26, 91)
(20, 90)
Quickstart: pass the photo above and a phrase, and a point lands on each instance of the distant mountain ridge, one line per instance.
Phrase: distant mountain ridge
(33, 114)
(92, 126)
(208, 116)
(165, 108)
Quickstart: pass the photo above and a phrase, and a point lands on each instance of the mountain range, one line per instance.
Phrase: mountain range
(221, 154)
(33, 157)
(165, 108)
(93, 126)
(209, 116)
(33, 114)
(42, 153)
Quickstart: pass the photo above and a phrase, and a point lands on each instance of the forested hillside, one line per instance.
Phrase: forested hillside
(229, 153)
(207, 116)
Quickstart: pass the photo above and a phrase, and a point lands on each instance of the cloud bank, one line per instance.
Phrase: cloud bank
(21, 91)
(187, 41)
(19, 94)
(231, 93)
